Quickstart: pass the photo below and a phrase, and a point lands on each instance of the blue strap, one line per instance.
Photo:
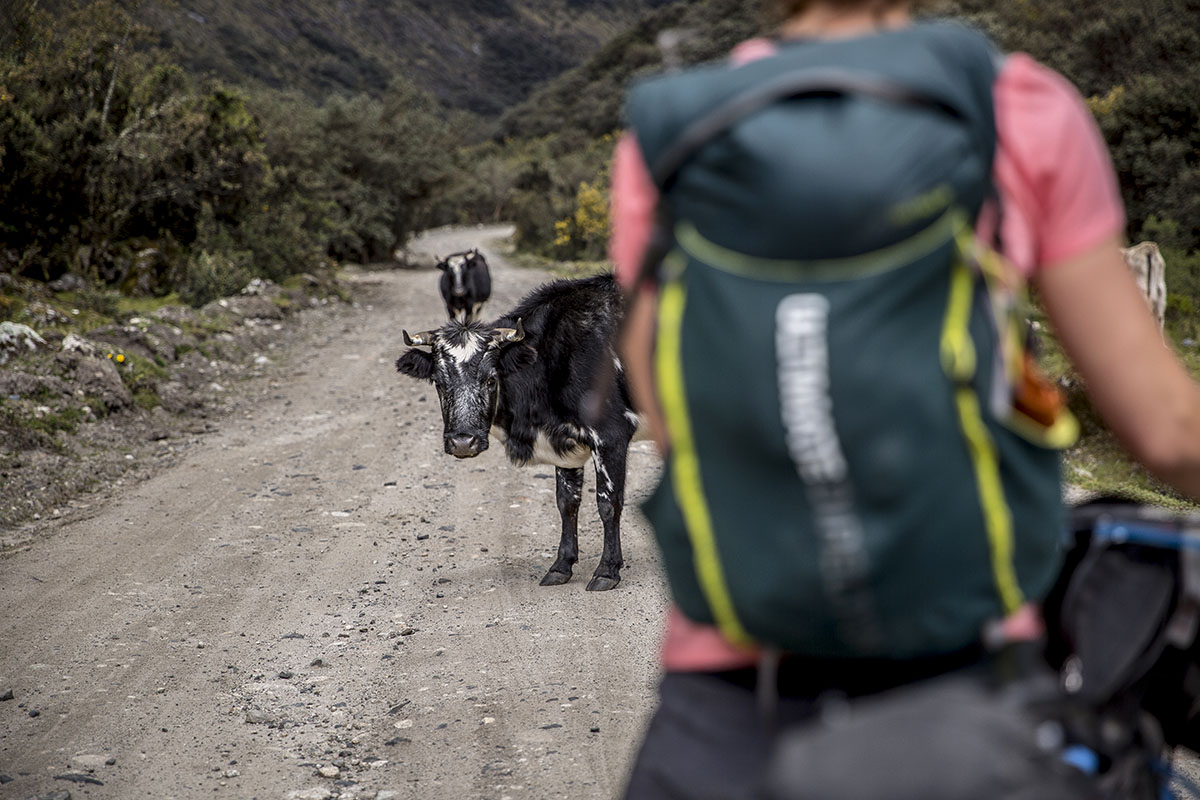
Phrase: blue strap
(1117, 531)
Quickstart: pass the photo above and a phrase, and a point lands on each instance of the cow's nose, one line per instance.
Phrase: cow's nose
(463, 445)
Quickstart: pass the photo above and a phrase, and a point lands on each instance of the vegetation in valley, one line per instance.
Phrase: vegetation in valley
(122, 168)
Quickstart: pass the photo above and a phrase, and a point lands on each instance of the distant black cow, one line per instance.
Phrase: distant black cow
(466, 284)
(525, 379)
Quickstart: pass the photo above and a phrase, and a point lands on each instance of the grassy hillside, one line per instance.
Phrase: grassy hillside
(481, 55)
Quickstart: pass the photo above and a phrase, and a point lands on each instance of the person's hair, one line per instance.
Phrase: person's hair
(777, 11)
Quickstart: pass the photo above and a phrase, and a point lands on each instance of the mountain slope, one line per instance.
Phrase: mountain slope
(482, 55)
(588, 98)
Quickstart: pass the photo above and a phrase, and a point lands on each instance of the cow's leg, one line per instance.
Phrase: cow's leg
(610, 499)
(569, 490)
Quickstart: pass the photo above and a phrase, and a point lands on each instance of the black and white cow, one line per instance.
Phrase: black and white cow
(526, 379)
(466, 284)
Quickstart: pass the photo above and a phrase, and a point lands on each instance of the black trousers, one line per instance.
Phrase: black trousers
(946, 734)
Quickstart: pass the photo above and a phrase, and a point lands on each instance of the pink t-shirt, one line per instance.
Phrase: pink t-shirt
(1059, 196)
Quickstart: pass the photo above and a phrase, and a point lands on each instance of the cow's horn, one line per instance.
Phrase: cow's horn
(423, 338)
(509, 334)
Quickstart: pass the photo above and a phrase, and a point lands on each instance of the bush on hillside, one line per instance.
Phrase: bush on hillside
(110, 153)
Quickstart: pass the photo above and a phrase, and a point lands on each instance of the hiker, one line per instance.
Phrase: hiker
(825, 240)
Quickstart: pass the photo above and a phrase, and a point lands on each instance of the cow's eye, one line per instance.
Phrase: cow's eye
(491, 382)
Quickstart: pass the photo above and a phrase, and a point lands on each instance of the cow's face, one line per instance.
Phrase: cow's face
(466, 364)
(456, 267)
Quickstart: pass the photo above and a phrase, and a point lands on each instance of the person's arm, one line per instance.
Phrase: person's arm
(1054, 169)
(1136, 383)
(634, 197)
(637, 353)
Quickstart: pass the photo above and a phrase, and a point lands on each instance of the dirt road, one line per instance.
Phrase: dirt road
(316, 602)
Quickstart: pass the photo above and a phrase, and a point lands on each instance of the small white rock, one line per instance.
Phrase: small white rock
(76, 344)
(88, 760)
(319, 793)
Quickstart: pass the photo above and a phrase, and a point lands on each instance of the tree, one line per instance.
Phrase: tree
(389, 157)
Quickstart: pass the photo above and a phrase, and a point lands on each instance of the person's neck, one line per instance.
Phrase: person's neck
(825, 22)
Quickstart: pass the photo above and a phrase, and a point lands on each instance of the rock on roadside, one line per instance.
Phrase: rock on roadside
(83, 407)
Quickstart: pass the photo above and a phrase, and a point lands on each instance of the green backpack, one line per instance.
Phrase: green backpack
(859, 463)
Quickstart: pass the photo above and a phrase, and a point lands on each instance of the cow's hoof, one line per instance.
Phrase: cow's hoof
(599, 583)
(553, 578)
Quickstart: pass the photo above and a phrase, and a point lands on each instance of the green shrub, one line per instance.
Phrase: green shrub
(209, 276)
(146, 398)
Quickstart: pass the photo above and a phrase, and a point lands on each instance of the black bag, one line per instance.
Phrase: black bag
(1124, 616)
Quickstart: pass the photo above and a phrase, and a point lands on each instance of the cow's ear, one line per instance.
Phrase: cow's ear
(416, 364)
(516, 357)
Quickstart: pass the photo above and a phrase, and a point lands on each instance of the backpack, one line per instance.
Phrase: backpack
(855, 469)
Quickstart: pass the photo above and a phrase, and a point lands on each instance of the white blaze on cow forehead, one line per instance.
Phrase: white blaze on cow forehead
(471, 344)
(455, 263)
